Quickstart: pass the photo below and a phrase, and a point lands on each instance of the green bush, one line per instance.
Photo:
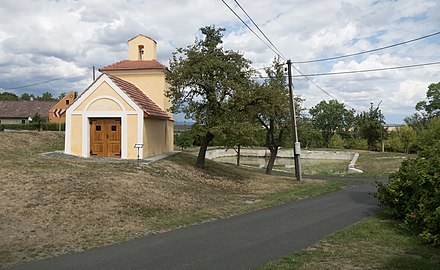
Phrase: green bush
(184, 139)
(34, 126)
(413, 193)
(336, 141)
(2, 128)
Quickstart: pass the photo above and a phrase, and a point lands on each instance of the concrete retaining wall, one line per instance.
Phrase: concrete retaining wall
(283, 153)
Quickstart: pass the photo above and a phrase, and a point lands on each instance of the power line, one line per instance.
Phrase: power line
(250, 28)
(261, 31)
(43, 82)
(368, 51)
(365, 70)
(274, 48)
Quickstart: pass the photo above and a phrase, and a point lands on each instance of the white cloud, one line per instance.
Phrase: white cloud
(46, 39)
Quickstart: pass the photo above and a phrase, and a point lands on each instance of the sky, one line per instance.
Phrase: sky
(60, 41)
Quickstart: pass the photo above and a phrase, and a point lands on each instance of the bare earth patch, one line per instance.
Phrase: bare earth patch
(50, 206)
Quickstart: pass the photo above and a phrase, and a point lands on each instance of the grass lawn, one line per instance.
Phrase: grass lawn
(50, 206)
(375, 243)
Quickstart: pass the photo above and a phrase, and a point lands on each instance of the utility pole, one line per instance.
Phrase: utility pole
(93, 73)
(296, 144)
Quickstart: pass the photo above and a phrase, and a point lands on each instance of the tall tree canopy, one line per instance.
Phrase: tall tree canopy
(203, 77)
(270, 106)
(370, 126)
(332, 117)
(431, 106)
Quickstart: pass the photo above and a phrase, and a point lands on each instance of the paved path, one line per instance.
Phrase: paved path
(242, 242)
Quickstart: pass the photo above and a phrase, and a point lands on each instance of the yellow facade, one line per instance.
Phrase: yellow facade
(149, 82)
(105, 100)
(141, 48)
(158, 135)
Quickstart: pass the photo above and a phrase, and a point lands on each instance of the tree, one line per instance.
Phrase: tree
(336, 141)
(431, 106)
(184, 139)
(370, 126)
(310, 136)
(408, 137)
(332, 117)
(417, 121)
(26, 96)
(46, 96)
(203, 78)
(240, 131)
(61, 95)
(411, 194)
(270, 106)
(8, 96)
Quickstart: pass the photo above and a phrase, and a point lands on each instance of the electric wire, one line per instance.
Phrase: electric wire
(368, 51)
(261, 39)
(43, 82)
(274, 47)
(261, 31)
(365, 70)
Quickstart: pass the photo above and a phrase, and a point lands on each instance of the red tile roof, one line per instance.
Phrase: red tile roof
(142, 100)
(25, 108)
(134, 65)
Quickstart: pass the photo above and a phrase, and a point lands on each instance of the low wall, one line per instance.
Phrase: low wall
(283, 153)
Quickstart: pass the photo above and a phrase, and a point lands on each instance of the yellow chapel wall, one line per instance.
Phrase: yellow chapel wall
(153, 85)
(149, 47)
(158, 137)
(102, 104)
(76, 135)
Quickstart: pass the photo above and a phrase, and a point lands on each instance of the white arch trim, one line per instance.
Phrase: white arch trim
(121, 106)
(86, 115)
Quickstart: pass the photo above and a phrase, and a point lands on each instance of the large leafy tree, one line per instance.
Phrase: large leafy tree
(203, 78)
(369, 125)
(270, 106)
(431, 106)
(332, 117)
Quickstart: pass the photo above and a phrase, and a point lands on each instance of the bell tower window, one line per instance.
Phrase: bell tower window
(141, 52)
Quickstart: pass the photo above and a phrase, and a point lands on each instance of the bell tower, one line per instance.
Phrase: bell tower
(142, 48)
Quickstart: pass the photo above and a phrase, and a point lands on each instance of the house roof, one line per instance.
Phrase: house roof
(134, 65)
(25, 108)
(142, 100)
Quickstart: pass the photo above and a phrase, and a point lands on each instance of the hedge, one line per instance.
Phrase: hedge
(33, 126)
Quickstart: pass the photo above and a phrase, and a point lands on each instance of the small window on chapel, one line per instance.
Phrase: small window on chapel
(141, 52)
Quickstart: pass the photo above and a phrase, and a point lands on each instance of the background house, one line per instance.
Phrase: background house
(124, 107)
(57, 112)
(20, 112)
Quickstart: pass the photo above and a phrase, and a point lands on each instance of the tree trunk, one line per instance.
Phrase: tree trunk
(273, 156)
(202, 152)
(238, 155)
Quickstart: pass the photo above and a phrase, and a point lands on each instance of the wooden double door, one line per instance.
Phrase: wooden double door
(105, 137)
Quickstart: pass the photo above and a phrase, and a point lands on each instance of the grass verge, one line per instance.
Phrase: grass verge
(375, 243)
(52, 206)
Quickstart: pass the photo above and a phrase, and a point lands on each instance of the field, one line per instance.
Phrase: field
(50, 206)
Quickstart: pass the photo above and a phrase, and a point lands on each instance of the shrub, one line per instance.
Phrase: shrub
(413, 193)
(184, 139)
(2, 128)
(336, 141)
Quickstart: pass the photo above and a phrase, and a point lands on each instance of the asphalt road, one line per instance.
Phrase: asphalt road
(242, 242)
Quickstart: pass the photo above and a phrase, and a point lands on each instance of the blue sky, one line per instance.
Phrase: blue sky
(45, 39)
